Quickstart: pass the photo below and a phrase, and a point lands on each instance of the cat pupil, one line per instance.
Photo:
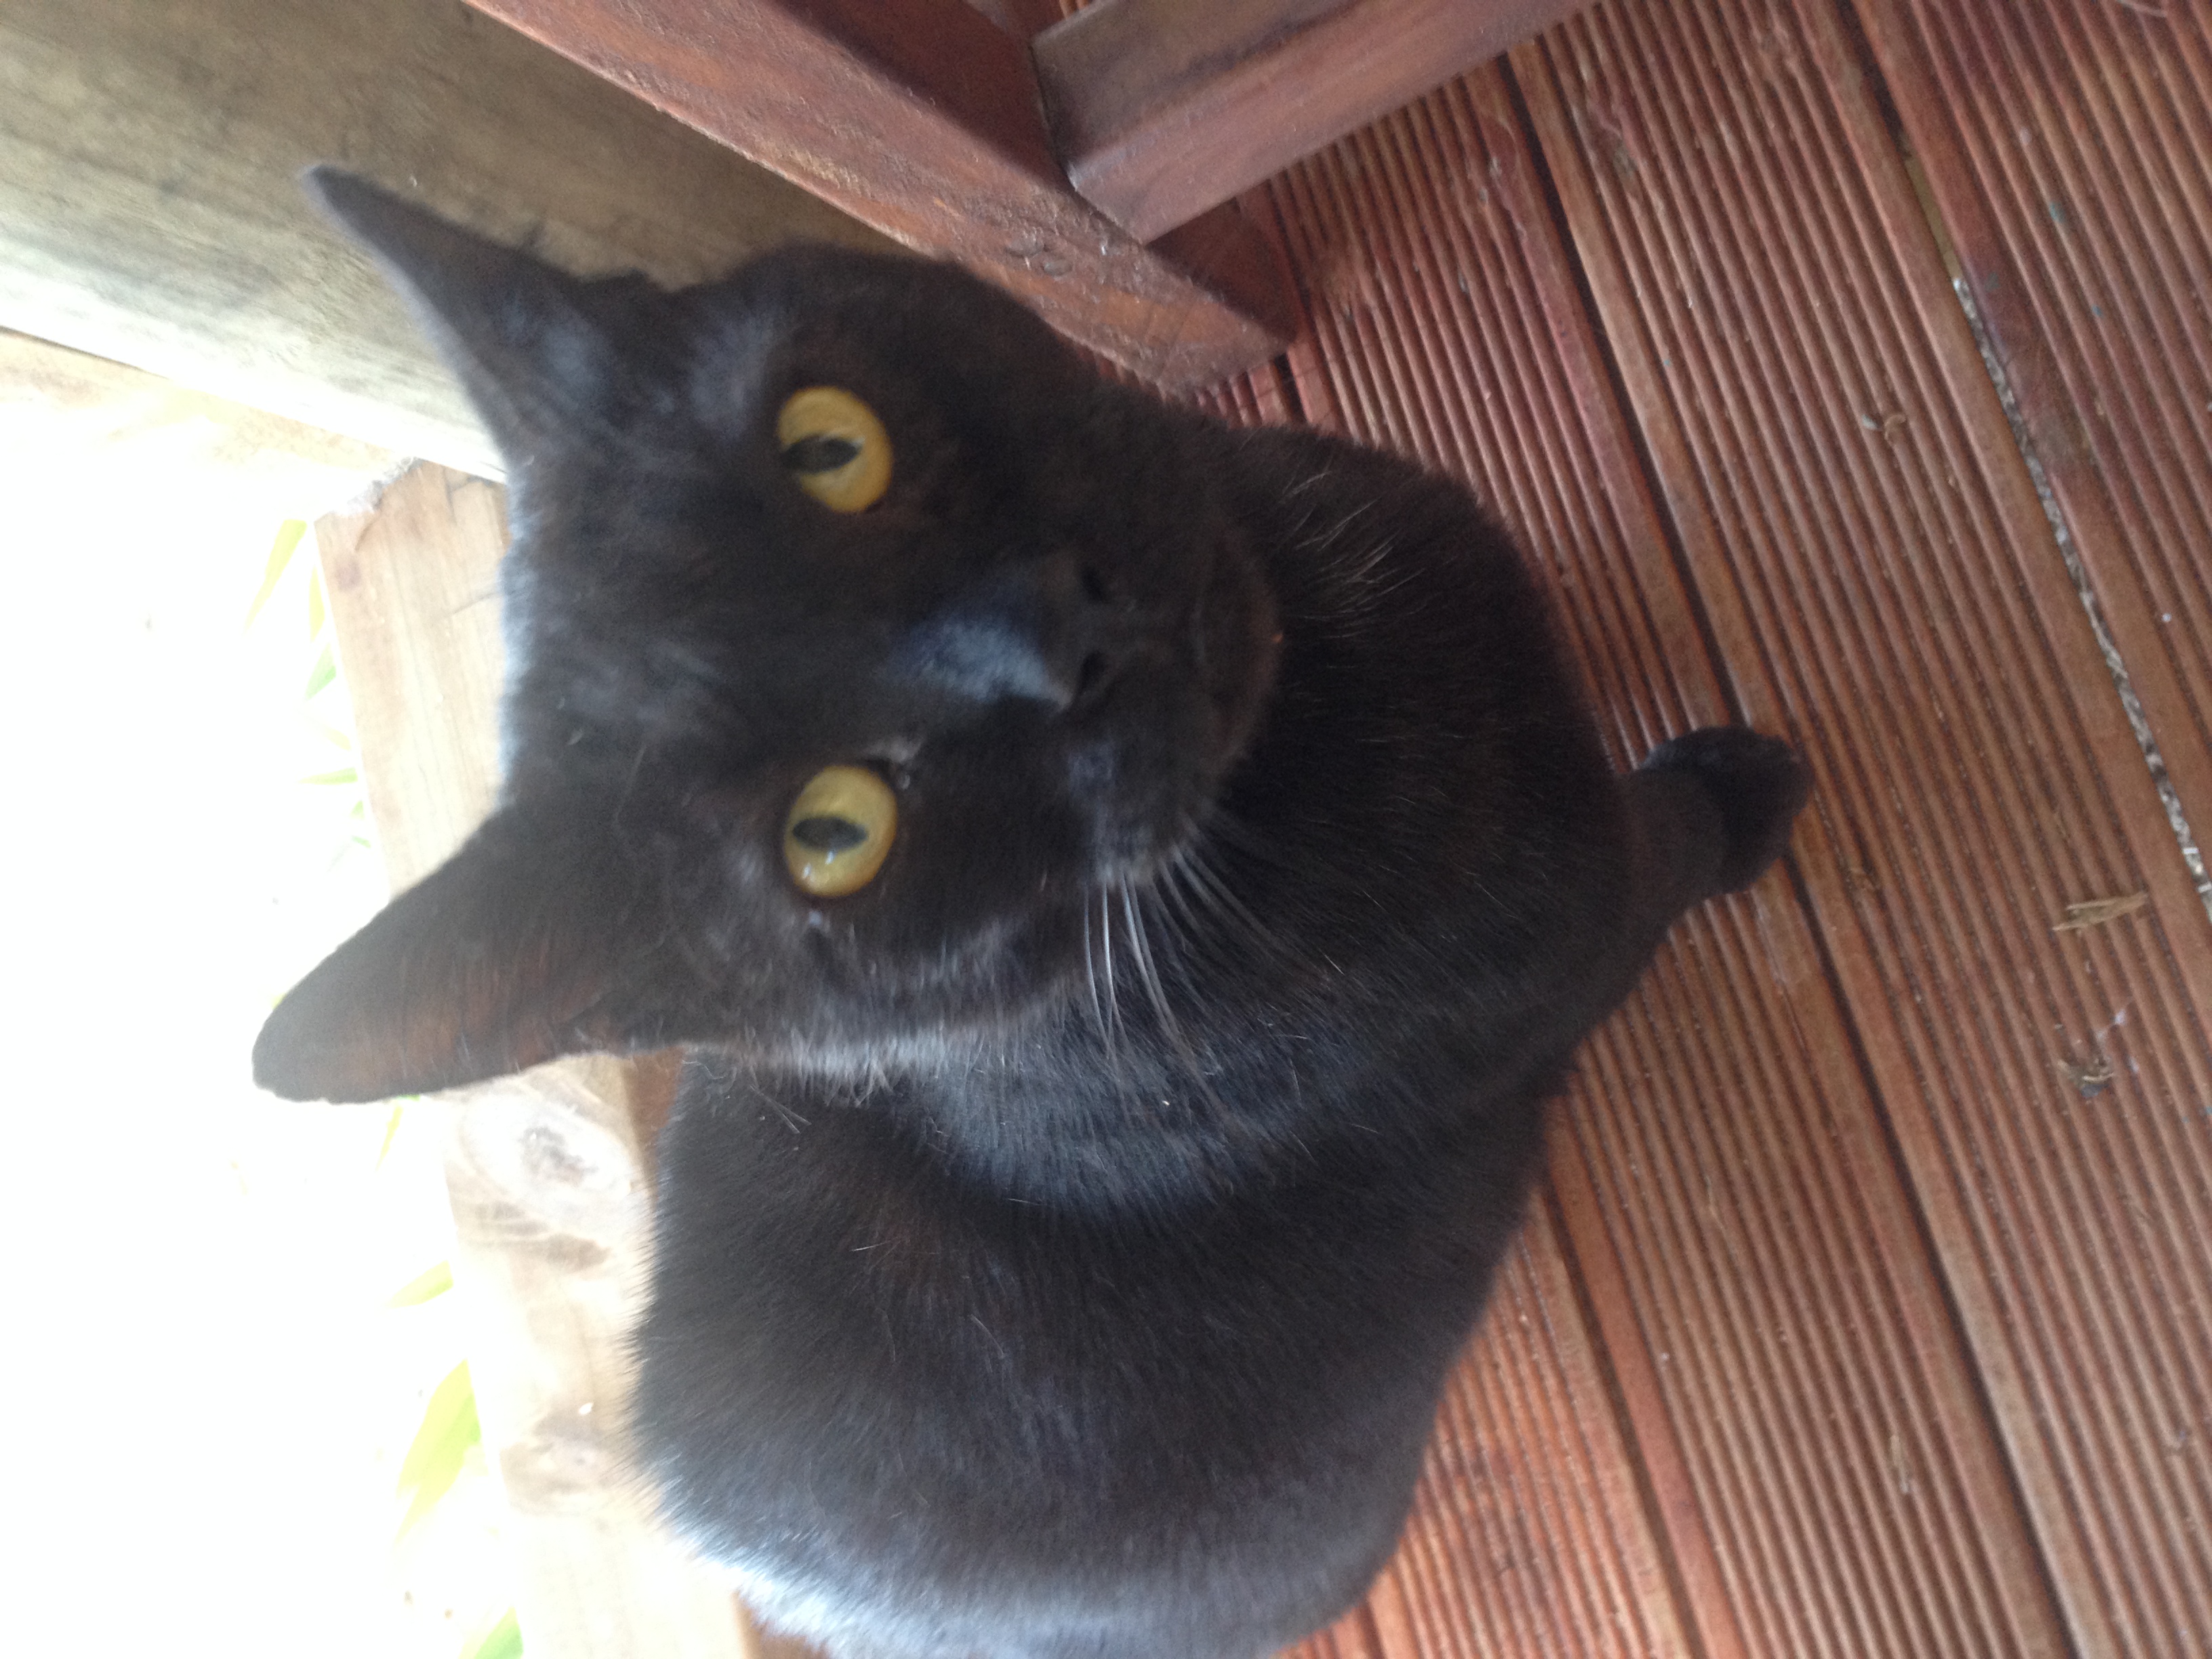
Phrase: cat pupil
(827, 834)
(822, 453)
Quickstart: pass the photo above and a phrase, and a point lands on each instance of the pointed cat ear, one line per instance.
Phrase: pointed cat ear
(500, 958)
(544, 355)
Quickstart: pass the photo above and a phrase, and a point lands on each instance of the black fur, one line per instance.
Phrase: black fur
(1063, 1239)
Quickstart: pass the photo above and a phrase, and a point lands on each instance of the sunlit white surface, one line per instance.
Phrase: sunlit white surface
(207, 1398)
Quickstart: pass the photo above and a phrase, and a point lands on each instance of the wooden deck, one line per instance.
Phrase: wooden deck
(1868, 1308)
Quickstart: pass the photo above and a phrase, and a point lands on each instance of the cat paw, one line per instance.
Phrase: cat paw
(1759, 784)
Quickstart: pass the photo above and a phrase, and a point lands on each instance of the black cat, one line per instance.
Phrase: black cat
(1128, 888)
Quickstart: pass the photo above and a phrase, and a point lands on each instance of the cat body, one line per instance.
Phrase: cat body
(1063, 1236)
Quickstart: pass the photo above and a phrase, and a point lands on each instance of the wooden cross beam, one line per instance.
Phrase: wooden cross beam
(1161, 108)
(940, 125)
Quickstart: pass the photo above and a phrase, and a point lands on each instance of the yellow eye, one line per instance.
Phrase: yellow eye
(835, 447)
(838, 830)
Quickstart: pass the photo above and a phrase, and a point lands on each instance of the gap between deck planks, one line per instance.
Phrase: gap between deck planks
(2069, 150)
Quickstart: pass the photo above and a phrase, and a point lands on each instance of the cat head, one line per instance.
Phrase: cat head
(859, 635)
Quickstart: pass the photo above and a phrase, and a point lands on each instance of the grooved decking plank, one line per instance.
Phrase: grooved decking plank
(1873, 560)
(1769, 1316)
(2069, 149)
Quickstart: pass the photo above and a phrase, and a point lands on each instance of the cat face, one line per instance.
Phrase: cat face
(859, 636)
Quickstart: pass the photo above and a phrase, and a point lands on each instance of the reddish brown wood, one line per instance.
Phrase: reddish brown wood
(920, 117)
(1020, 18)
(2066, 151)
(1876, 567)
(1161, 108)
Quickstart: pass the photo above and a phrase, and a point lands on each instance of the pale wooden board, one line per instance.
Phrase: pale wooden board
(150, 210)
(550, 1187)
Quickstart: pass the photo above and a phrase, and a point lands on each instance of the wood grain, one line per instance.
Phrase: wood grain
(548, 1189)
(921, 119)
(1160, 110)
(150, 209)
(2068, 151)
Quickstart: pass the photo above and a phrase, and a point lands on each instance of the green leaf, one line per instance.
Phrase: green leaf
(392, 1126)
(449, 1428)
(324, 670)
(344, 774)
(503, 1641)
(314, 605)
(435, 1282)
(280, 557)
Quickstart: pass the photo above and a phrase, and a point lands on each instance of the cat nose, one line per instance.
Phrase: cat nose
(1037, 631)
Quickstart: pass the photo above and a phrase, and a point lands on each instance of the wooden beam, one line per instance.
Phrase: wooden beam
(921, 119)
(1020, 18)
(547, 1172)
(1161, 109)
(150, 210)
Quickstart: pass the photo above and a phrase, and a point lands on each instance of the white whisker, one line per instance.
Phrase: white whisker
(1236, 915)
(1090, 975)
(1113, 995)
(1141, 952)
